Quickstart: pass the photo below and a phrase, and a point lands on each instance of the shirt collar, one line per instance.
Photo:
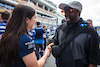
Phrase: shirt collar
(4, 21)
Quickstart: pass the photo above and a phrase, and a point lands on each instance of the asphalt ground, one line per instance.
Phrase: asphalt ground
(50, 62)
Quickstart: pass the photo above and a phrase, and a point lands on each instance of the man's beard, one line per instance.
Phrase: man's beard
(71, 21)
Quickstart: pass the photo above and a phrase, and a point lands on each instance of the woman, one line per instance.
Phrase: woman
(16, 47)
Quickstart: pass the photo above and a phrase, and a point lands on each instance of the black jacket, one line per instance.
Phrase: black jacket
(82, 50)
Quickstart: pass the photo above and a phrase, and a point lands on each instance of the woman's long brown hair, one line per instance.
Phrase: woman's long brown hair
(15, 28)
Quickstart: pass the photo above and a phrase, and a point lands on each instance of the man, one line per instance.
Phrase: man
(45, 36)
(39, 40)
(4, 19)
(82, 50)
(90, 22)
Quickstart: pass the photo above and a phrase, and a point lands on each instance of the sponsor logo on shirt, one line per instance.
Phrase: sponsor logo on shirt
(30, 44)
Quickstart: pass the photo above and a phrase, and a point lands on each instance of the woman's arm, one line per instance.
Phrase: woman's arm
(30, 60)
(42, 60)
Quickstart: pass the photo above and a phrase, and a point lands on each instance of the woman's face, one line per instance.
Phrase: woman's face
(31, 22)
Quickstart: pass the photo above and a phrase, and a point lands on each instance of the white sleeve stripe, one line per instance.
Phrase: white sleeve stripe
(3, 27)
(29, 42)
(2, 30)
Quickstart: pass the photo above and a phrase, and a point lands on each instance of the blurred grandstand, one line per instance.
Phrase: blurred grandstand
(46, 11)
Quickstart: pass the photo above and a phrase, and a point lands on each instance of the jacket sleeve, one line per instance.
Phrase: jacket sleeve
(93, 47)
(55, 38)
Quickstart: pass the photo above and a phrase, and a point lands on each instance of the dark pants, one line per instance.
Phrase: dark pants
(45, 43)
(39, 46)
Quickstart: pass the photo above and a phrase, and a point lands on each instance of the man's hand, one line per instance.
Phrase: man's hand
(91, 65)
(50, 46)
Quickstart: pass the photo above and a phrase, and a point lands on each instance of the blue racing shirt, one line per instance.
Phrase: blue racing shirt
(39, 35)
(26, 47)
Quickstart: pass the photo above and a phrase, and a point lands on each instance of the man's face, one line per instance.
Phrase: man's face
(71, 15)
(45, 28)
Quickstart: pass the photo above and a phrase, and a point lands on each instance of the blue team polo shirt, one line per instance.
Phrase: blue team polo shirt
(39, 35)
(2, 27)
(26, 47)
